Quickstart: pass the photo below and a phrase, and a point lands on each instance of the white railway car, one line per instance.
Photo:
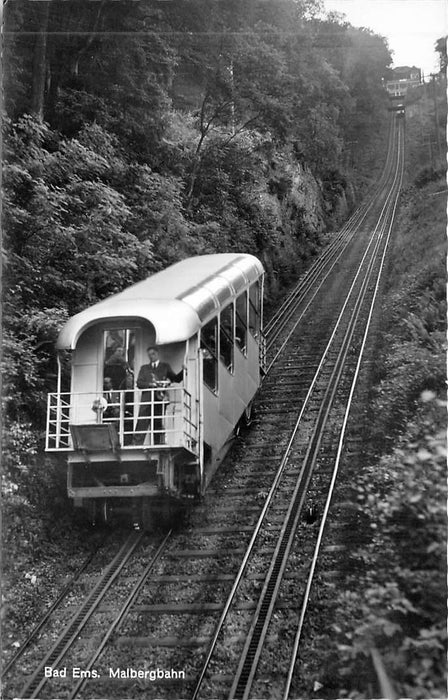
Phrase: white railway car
(137, 449)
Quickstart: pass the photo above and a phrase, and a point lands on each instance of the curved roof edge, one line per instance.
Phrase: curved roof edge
(173, 321)
(176, 301)
(218, 285)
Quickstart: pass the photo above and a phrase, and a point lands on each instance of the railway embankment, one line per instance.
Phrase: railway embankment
(380, 616)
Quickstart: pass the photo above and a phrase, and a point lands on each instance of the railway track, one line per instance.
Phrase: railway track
(53, 608)
(212, 601)
(314, 451)
(68, 638)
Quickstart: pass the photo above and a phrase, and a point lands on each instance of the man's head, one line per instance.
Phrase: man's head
(153, 353)
(128, 381)
(107, 384)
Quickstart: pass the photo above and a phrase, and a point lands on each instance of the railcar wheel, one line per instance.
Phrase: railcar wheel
(246, 419)
(248, 414)
(98, 511)
(104, 511)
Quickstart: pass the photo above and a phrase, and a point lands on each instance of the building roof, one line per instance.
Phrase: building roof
(404, 71)
(175, 301)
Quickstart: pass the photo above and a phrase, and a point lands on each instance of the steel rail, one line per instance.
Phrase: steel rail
(268, 501)
(308, 282)
(256, 636)
(35, 684)
(339, 449)
(257, 633)
(263, 512)
(305, 309)
(55, 604)
(122, 613)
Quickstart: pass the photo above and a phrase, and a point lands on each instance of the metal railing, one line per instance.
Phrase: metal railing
(148, 418)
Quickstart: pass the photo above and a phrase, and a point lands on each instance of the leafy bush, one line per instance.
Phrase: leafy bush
(409, 369)
(398, 607)
(396, 603)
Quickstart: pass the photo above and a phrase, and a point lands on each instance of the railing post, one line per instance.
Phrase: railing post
(47, 436)
(58, 419)
(152, 421)
(121, 418)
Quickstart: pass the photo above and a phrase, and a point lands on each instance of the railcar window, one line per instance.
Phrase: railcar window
(254, 309)
(119, 349)
(241, 322)
(226, 336)
(209, 345)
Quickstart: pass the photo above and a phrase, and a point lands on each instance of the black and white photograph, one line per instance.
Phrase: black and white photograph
(224, 350)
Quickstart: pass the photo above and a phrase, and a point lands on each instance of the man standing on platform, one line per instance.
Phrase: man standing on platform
(153, 403)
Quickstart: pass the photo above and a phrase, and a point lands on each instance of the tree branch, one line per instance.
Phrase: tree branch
(240, 129)
(90, 38)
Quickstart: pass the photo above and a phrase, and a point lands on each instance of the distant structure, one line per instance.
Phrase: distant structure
(402, 79)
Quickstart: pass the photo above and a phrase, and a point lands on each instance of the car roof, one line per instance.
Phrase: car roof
(177, 301)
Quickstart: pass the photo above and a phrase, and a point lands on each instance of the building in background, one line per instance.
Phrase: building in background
(402, 79)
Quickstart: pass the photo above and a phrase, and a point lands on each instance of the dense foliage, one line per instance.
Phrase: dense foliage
(396, 601)
(137, 134)
(141, 133)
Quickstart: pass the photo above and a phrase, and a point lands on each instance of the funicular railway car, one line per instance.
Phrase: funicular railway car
(397, 106)
(152, 384)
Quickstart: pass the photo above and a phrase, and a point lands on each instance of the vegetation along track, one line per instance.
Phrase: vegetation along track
(223, 630)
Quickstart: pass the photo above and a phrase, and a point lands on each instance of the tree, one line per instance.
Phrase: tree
(440, 47)
(67, 236)
(81, 69)
(39, 59)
